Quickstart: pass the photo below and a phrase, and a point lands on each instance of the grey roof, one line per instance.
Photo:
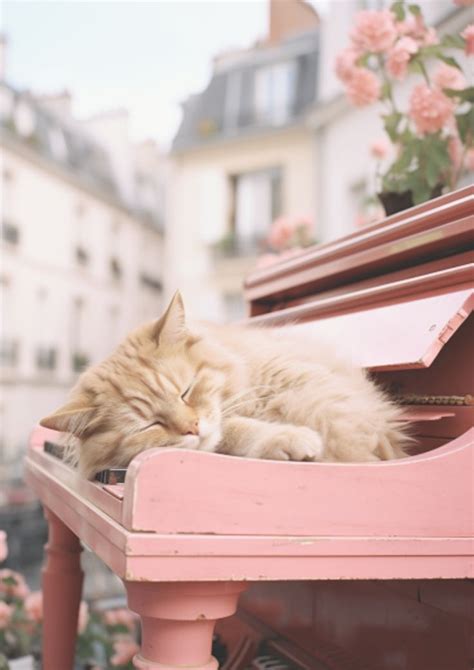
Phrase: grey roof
(205, 115)
(55, 140)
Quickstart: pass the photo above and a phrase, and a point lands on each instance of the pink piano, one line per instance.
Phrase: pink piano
(319, 566)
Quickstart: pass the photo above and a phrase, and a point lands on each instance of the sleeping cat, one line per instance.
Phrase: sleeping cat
(228, 389)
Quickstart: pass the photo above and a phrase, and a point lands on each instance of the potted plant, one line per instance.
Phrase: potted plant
(431, 142)
(106, 638)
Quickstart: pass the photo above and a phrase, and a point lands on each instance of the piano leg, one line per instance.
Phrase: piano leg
(178, 621)
(62, 587)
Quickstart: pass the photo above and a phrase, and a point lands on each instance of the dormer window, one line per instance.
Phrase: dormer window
(58, 144)
(25, 121)
(275, 92)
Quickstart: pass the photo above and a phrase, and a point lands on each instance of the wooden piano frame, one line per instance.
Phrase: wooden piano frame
(188, 532)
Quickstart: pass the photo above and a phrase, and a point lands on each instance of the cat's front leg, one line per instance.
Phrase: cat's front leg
(252, 438)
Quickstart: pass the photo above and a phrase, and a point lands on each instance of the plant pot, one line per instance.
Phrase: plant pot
(394, 202)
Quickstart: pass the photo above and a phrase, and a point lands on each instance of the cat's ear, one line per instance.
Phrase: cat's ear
(171, 327)
(70, 418)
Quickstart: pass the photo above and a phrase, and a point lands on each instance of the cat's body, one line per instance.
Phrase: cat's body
(231, 389)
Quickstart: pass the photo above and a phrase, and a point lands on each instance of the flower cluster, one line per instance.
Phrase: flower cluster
(431, 141)
(105, 639)
(288, 235)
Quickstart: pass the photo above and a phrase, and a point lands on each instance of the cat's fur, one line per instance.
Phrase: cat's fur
(229, 389)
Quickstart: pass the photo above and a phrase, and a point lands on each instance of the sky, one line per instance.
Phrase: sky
(143, 56)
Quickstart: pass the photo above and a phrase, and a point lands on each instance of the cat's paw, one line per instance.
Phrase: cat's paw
(294, 443)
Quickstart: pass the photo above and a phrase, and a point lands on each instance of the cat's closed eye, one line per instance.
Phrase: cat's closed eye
(183, 395)
(157, 422)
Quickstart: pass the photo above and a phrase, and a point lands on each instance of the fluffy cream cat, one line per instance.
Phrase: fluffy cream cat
(229, 389)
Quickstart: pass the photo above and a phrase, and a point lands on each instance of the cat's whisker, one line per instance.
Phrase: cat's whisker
(245, 392)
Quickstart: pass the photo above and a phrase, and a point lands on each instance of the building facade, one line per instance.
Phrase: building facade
(81, 255)
(242, 156)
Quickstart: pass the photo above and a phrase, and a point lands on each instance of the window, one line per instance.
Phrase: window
(232, 99)
(25, 119)
(115, 268)
(151, 282)
(275, 92)
(8, 351)
(80, 361)
(257, 200)
(82, 257)
(10, 233)
(57, 143)
(46, 358)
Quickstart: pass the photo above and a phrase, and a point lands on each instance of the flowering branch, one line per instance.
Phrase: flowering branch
(432, 141)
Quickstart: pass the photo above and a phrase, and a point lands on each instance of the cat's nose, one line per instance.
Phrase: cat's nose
(193, 428)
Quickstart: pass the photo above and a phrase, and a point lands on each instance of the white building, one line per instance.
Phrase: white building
(81, 246)
(243, 156)
(272, 134)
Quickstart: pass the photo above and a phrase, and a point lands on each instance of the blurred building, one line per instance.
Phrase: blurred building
(81, 251)
(345, 170)
(242, 156)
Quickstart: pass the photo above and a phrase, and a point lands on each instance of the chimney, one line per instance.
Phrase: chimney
(290, 17)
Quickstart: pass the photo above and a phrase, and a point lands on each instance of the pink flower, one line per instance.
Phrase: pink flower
(464, 3)
(18, 589)
(345, 63)
(83, 617)
(380, 148)
(414, 27)
(430, 37)
(447, 76)
(468, 34)
(374, 30)
(34, 606)
(3, 545)
(121, 617)
(5, 614)
(470, 160)
(455, 150)
(399, 57)
(430, 109)
(363, 87)
(125, 649)
(281, 232)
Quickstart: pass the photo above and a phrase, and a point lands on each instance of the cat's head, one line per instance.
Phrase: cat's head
(162, 387)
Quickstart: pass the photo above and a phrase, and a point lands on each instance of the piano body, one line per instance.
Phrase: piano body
(335, 566)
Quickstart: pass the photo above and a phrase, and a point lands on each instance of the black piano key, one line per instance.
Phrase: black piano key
(111, 476)
(56, 450)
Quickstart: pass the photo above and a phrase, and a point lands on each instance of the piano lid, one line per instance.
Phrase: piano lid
(424, 240)
(399, 336)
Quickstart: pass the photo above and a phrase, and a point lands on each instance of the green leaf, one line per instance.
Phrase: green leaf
(363, 60)
(465, 126)
(386, 90)
(421, 191)
(432, 174)
(415, 10)
(453, 41)
(398, 8)
(464, 94)
(431, 51)
(391, 122)
(449, 60)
